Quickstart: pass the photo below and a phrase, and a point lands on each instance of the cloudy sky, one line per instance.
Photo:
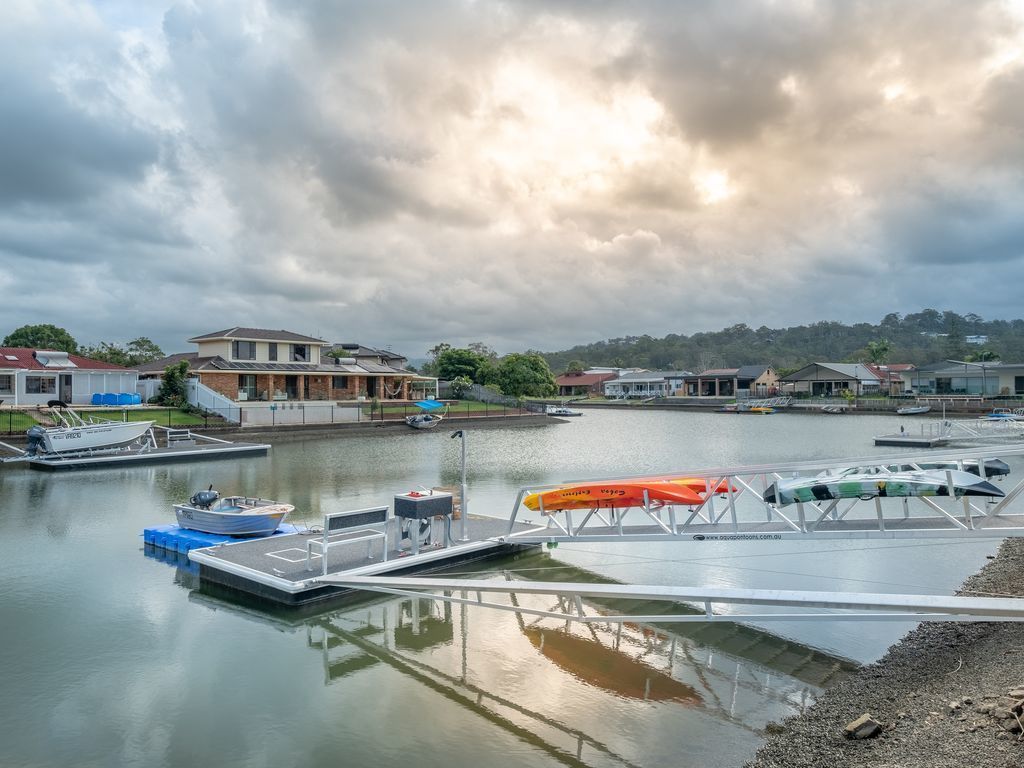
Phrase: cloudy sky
(528, 174)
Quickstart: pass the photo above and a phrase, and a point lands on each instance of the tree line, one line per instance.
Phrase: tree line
(46, 336)
(922, 337)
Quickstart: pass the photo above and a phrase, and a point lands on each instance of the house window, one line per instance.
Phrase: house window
(40, 385)
(272, 354)
(300, 353)
(6, 384)
(339, 382)
(243, 350)
(247, 386)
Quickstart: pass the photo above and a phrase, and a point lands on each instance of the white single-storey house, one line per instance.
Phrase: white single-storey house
(36, 376)
(644, 384)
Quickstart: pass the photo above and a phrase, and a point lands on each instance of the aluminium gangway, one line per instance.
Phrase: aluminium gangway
(741, 514)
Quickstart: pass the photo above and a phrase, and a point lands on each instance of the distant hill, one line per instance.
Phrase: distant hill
(923, 337)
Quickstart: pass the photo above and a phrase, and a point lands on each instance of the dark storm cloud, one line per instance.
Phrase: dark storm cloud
(309, 165)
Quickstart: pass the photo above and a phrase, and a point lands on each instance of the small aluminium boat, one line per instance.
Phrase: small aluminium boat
(913, 410)
(74, 433)
(867, 486)
(561, 410)
(427, 418)
(207, 512)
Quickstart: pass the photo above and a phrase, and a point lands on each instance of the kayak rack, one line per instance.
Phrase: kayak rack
(740, 513)
(743, 515)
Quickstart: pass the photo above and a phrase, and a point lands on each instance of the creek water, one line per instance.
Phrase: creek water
(114, 656)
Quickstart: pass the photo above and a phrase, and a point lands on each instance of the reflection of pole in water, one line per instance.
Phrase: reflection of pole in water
(435, 679)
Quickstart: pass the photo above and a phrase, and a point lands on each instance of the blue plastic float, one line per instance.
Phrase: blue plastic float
(174, 538)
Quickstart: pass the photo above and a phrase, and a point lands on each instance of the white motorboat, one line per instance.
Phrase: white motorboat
(74, 433)
(561, 410)
(913, 410)
(207, 512)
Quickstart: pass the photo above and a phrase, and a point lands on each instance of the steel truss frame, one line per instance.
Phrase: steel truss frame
(741, 513)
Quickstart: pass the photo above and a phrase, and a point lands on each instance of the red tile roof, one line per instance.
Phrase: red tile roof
(23, 359)
(582, 379)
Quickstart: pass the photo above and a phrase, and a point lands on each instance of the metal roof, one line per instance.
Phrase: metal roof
(257, 334)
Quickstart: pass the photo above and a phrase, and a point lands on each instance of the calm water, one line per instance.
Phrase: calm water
(111, 657)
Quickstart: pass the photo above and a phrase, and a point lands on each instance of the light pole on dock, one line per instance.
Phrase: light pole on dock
(463, 501)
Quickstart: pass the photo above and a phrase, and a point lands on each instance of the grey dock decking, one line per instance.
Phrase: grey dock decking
(275, 568)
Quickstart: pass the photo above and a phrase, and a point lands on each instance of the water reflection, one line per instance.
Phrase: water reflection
(551, 684)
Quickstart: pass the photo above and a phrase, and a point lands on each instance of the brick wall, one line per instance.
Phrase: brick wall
(223, 383)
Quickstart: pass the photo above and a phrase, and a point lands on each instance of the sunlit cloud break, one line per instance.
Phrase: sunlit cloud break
(530, 175)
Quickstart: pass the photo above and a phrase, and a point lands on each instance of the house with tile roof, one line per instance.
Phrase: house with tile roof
(36, 376)
(256, 364)
(582, 383)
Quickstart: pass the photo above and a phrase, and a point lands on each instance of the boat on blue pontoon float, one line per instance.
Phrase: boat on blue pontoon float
(428, 417)
(207, 512)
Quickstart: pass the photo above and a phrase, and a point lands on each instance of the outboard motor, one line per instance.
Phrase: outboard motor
(36, 444)
(204, 499)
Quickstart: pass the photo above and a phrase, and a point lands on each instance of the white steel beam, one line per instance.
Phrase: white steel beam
(865, 605)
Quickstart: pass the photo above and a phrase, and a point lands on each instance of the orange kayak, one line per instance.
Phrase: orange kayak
(612, 494)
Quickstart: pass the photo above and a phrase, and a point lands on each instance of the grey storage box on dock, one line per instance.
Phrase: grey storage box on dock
(420, 506)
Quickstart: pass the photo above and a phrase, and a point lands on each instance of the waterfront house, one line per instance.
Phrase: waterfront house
(583, 383)
(966, 379)
(829, 379)
(742, 382)
(255, 364)
(36, 376)
(645, 384)
(890, 376)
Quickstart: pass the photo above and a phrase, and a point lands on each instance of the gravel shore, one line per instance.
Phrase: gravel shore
(934, 694)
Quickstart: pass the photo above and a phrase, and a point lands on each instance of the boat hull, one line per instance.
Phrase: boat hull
(913, 410)
(252, 521)
(93, 436)
(423, 421)
(902, 484)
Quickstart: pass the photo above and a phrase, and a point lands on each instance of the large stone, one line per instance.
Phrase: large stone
(864, 727)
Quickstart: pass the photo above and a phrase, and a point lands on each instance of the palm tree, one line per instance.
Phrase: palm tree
(879, 351)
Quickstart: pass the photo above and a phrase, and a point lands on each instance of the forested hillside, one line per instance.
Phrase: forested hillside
(911, 339)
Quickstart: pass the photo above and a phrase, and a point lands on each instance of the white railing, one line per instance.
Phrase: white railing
(202, 396)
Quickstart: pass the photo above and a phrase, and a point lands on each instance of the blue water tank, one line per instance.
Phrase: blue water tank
(97, 398)
(109, 398)
(136, 398)
(124, 398)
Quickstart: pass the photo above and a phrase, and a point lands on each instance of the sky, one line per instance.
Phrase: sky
(525, 174)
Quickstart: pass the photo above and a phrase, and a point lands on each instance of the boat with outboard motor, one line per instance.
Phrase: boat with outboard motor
(207, 512)
(427, 418)
(800, 490)
(72, 432)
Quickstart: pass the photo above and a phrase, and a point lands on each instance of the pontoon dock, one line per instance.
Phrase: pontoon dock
(178, 445)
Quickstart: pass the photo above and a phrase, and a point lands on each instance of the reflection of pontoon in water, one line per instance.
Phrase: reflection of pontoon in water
(734, 673)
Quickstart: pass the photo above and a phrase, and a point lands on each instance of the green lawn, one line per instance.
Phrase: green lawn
(15, 421)
(165, 417)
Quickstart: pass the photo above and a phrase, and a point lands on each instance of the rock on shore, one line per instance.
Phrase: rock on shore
(944, 695)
